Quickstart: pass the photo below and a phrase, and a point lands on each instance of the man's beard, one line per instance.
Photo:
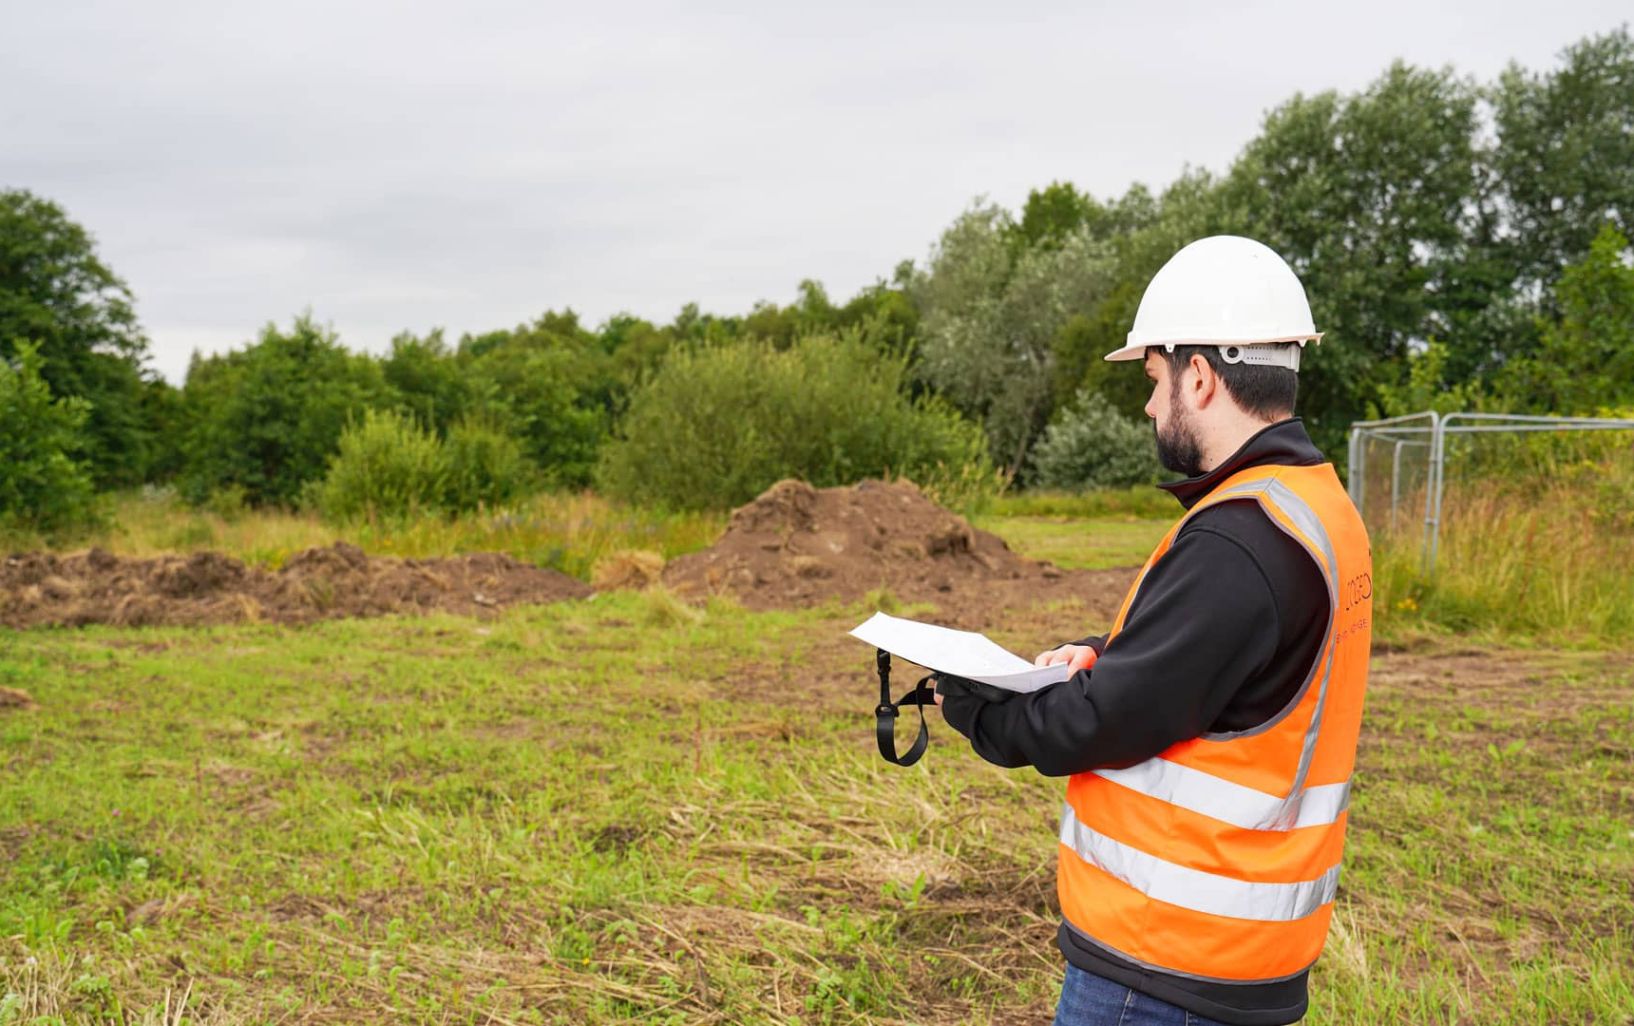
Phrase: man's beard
(1177, 446)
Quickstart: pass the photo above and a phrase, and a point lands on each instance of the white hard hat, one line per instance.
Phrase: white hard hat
(1224, 291)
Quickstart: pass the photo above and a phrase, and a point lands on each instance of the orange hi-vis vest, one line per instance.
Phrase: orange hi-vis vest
(1219, 858)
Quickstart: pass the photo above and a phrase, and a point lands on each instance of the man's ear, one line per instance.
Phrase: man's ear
(1207, 384)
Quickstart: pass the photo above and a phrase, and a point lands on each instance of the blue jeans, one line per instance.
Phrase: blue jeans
(1090, 1000)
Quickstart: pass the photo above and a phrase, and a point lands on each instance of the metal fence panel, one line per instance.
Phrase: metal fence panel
(1416, 446)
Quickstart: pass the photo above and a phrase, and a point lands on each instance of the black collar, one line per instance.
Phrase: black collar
(1284, 443)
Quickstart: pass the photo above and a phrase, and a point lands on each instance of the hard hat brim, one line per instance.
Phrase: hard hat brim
(1137, 350)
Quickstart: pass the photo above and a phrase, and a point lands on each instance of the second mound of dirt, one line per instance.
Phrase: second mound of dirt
(797, 545)
(39, 588)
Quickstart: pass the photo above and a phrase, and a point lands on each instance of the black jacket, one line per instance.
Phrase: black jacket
(1223, 633)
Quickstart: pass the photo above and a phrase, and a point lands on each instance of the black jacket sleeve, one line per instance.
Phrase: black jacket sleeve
(1205, 623)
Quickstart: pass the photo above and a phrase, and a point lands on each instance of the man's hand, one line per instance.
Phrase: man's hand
(1078, 657)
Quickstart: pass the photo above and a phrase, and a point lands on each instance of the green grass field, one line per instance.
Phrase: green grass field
(618, 810)
(1080, 543)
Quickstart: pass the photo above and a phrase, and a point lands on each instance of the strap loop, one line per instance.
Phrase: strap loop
(887, 712)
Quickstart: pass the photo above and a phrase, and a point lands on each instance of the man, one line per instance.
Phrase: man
(1210, 743)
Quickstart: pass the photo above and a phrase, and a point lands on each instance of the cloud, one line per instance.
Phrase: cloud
(403, 166)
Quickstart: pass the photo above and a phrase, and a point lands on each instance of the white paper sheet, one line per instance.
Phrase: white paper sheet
(961, 653)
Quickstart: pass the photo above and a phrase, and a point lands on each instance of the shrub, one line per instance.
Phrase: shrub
(717, 425)
(1090, 445)
(387, 467)
(485, 466)
(266, 419)
(45, 486)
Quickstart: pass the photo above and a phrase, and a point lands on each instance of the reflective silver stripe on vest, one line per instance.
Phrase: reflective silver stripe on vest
(1234, 803)
(1230, 802)
(1194, 889)
(1274, 493)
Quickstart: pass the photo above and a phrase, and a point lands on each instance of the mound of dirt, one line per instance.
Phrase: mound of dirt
(39, 589)
(797, 546)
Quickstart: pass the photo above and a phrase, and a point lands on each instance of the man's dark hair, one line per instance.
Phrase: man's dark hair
(1264, 392)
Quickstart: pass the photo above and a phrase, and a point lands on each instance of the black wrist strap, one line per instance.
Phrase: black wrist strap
(886, 713)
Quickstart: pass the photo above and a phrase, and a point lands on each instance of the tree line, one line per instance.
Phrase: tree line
(1462, 243)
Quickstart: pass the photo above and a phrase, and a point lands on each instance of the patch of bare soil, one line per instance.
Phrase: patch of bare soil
(1539, 685)
(1545, 708)
(44, 589)
(797, 546)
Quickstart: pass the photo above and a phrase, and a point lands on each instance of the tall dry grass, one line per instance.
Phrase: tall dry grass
(1541, 560)
(569, 532)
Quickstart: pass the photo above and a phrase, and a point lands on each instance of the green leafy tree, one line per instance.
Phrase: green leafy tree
(1585, 357)
(991, 320)
(885, 314)
(1055, 213)
(882, 312)
(56, 293)
(428, 380)
(1051, 215)
(164, 418)
(635, 349)
(1429, 386)
(553, 386)
(1145, 231)
(1368, 198)
(1564, 155)
(767, 320)
(1559, 164)
(693, 327)
(266, 419)
(45, 485)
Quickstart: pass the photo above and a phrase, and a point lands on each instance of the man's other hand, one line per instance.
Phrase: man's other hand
(1079, 657)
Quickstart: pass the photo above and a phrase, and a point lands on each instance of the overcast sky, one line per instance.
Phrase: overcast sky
(401, 166)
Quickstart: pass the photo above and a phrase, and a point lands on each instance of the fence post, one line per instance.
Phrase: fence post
(1395, 482)
(1358, 473)
(1438, 468)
